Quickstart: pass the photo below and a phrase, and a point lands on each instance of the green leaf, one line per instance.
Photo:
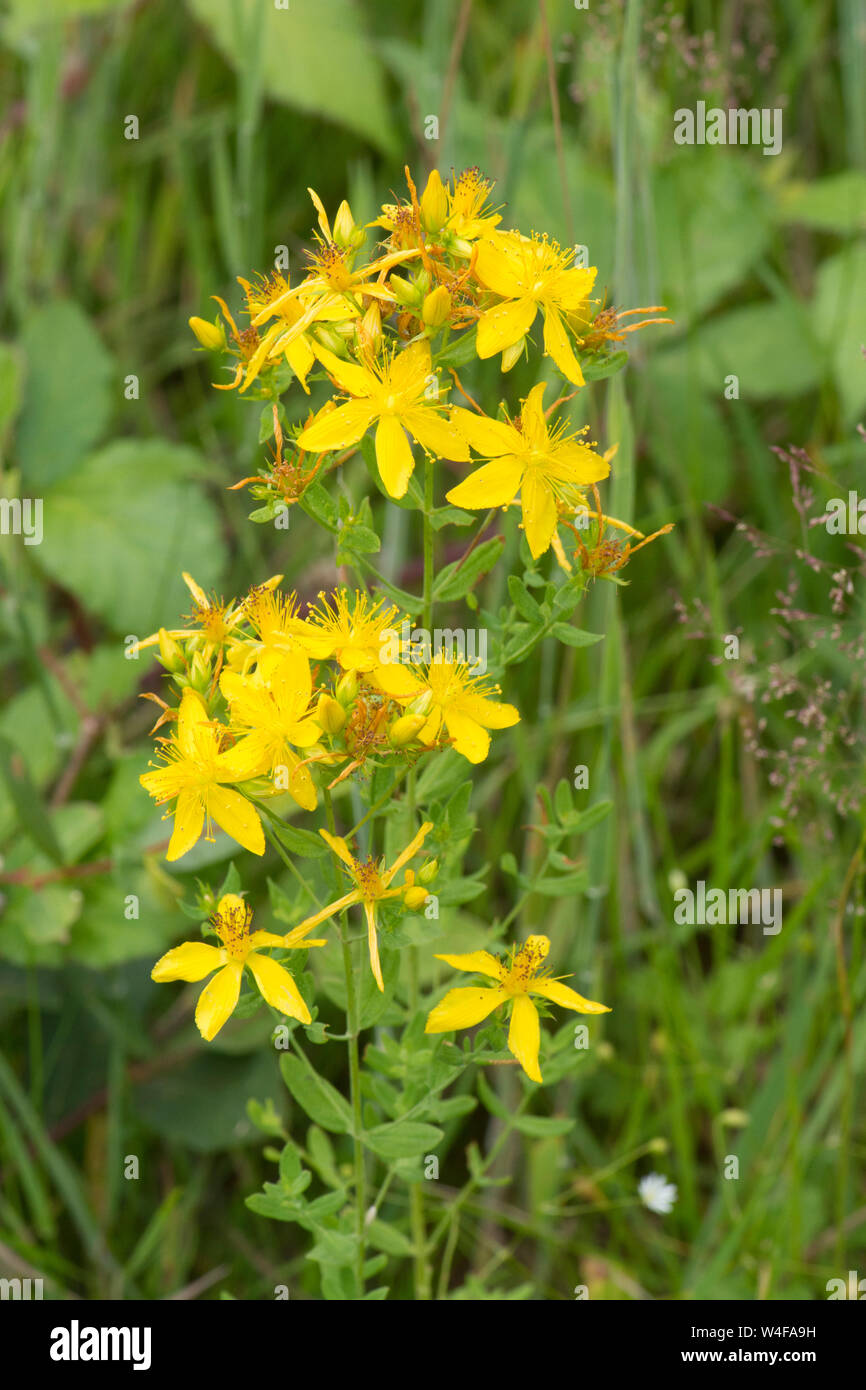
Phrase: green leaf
(460, 352)
(575, 636)
(457, 579)
(840, 292)
(316, 1096)
(10, 386)
(836, 203)
(402, 1139)
(523, 600)
(388, 1238)
(300, 841)
(602, 367)
(314, 56)
(122, 527)
(768, 346)
(203, 1104)
(318, 503)
(67, 396)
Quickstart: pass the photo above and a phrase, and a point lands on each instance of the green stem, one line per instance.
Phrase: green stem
(352, 1032)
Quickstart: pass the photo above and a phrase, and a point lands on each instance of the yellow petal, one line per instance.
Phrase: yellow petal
(503, 325)
(405, 855)
(393, 455)
(217, 1000)
(188, 822)
(237, 817)
(397, 680)
(435, 434)
(191, 961)
(291, 682)
(410, 369)
(532, 416)
(524, 1035)
(568, 998)
(494, 484)
(557, 345)
(463, 1008)
(539, 512)
(373, 945)
(298, 933)
(490, 714)
(251, 756)
(337, 429)
(353, 379)
(476, 963)
(487, 436)
(192, 713)
(571, 288)
(277, 987)
(469, 738)
(300, 358)
(339, 847)
(499, 266)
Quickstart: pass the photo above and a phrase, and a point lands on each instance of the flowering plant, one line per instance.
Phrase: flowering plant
(284, 711)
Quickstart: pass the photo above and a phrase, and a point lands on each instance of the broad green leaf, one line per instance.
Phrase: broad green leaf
(316, 1096)
(314, 55)
(67, 394)
(840, 293)
(836, 203)
(456, 580)
(121, 528)
(402, 1139)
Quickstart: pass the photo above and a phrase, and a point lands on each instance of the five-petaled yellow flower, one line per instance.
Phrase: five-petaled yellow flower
(195, 959)
(448, 693)
(276, 713)
(393, 392)
(531, 273)
(194, 774)
(372, 885)
(526, 455)
(354, 629)
(517, 981)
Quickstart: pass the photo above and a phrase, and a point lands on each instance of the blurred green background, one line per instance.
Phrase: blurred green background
(722, 1041)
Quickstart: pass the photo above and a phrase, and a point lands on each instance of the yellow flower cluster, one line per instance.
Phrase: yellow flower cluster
(276, 696)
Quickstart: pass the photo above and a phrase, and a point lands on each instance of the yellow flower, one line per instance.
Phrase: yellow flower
(449, 693)
(531, 274)
(211, 619)
(451, 216)
(468, 218)
(517, 981)
(543, 464)
(277, 714)
(194, 774)
(278, 631)
(392, 392)
(334, 284)
(195, 959)
(354, 629)
(372, 885)
(273, 295)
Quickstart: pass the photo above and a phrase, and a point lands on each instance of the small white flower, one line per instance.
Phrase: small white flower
(657, 1194)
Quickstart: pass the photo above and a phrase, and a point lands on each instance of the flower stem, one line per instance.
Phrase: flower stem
(352, 1031)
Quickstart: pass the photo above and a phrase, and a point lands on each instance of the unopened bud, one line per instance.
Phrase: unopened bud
(211, 336)
(434, 203)
(330, 714)
(330, 340)
(405, 729)
(414, 898)
(347, 688)
(344, 225)
(403, 292)
(734, 1119)
(511, 354)
(436, 308)
(428, 871)
(421, 704)
(657, 1146)
(199, 673)
(370, 329)
(170, 652)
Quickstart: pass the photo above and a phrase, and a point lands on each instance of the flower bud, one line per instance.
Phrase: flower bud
(347, 688)
(211, 336)
(406, 729)
(403, 292)
(199, 673)
(511, 354)
(170, 652)
(421, 704)
(434, 203)
(330, 714)
(331, 340)
(414, 898)
(436, 308)
(370, 327)
(428, 871)
(344, 225)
